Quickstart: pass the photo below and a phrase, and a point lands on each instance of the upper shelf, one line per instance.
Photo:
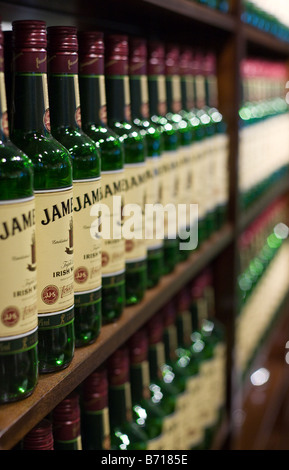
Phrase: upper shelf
(257, 38)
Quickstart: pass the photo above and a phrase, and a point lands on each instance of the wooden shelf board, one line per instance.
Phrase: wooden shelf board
(16, 419)
(265, 40)
(197, 12)
(277, 190)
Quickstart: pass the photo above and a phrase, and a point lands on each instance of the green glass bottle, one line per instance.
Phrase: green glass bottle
(147, 413)
(140, 117)
(53, 196)
(189, 360)
(168, 174)
(95, 429)
(219, 145)
(163, 385)
(125, 433)
(66, 424)
(18, 330)
(181, 122)
(94, 124)
(207, 332)
(65, 122)
(119, 120)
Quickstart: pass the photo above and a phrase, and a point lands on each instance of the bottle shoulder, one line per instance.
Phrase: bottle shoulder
(75, 140)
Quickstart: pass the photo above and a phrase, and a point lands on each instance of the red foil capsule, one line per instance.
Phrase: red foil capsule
(40, 437)
(29, 43)
(116, 54)
(118, 367)
(155, 328)
(66, 418)
(169, 314)
(95, 390)
(62, 49)
(138, 346)
(91, 52)
(172, 60)
(156, 58)
(137, 56)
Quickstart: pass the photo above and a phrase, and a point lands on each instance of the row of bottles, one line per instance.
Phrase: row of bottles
(164, 389)
(270, 17)
(264, 119)
(263, 279)
(103, 125)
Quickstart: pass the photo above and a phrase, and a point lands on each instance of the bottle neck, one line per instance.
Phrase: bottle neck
(140, 380)
(157, 95)
(211, 91)
(139, 97)
(173, 91)
(170, 342)
(118, 98)
(30, 92)
(156, 360)
(93, 101)
(187, 93)
(4, 129)
(120, 405)
(64, 100)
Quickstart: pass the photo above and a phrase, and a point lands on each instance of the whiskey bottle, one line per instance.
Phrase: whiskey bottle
(65, 122)
(163, 386)
(183, 165)
(94, 124)
(210, 334)
(148, 413)
(168, 178)
(18, 331)
(66, 424)
(40, 437)
(95, 429)
(140, 118)
(53, 195)
(125, 433)
(119, 120)
(189, 358)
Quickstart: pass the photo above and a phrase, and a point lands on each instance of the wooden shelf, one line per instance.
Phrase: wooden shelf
(265, 41)
(261, 405)
(17, 418)
(279, 189)
(196, 12)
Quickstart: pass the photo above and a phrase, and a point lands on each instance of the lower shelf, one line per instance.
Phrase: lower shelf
(16, 419)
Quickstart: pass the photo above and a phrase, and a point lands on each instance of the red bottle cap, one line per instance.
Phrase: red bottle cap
(116, 54)
(183, 300)
(155, 328)
(40, 437)
(91, 52)
(185, 63)
(169, 313)
(66, 418)
(62, 47)
(172, 60)
(95, 390)
(137, 56)
(29, 43)
(118, 367)
(156, 58)
(138, 346)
